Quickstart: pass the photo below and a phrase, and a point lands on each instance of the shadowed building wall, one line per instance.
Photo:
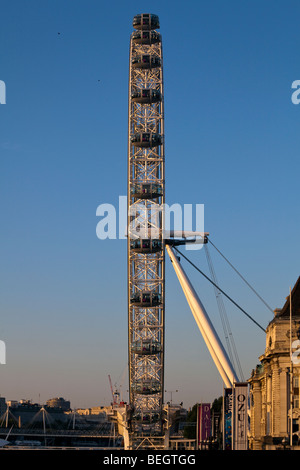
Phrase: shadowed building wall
(274, 384)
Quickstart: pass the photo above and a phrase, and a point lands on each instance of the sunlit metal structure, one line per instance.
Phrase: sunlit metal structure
(146, 256)
(146, 420)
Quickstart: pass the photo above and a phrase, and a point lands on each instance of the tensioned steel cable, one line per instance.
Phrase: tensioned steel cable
(224, 293)
(252, 288)
(224, 318)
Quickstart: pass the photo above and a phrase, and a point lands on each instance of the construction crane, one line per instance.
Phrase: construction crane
(115, 394)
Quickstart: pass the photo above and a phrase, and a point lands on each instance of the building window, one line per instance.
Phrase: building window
(296, 391)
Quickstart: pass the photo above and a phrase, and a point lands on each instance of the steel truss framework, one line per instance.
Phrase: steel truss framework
(146, 256)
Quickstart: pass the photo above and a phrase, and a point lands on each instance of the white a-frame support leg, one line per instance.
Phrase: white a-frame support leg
(205, 326)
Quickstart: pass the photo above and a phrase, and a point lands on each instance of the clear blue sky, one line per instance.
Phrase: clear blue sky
(232, 144)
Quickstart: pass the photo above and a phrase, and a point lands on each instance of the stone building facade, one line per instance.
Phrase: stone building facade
(274, 384)
(59, 402)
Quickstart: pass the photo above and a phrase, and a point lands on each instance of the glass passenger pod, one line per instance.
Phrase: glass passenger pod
(146, 21)
(145, 61)
(147, 387)
(146, 245)
(146, 190)
(146, 96)
(146, 418)
(146, 139)
(146, 299)
(146, 37)
(146, 347)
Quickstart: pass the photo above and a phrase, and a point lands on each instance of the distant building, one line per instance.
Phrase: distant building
(12, 403)
(60, 402)
(99, 412)
(83, 411)
(25, 413)
(274, 384)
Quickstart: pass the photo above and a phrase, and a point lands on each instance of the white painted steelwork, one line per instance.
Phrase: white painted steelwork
(205, 326)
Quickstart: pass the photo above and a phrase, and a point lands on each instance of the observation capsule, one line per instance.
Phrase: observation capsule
(146, 96)
(146, 37)
(146, 21)
(145, 61)
(147, 387)
(146, 418)
(147, 245)
(146, 190)
(146, 347)
(146, 139)
(146, 299)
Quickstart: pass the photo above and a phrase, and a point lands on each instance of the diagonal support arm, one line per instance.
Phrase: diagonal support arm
(205, 326)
